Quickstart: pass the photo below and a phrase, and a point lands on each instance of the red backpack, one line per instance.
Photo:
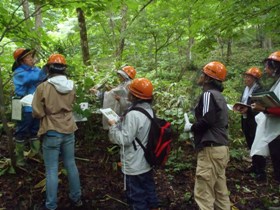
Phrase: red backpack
(159, 140)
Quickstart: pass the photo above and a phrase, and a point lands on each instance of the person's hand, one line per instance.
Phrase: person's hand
(111, 122)
(257, 107)
(93, 90)
(243, 109)
(188, 125)
(117, 97)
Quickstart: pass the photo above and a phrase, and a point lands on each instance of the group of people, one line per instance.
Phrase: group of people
(51, 119)
(260, 124)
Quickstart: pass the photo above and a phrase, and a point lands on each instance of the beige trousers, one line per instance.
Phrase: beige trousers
(210, 190)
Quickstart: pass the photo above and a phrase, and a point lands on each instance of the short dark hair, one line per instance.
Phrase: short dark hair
(56, 68)
(274, 65)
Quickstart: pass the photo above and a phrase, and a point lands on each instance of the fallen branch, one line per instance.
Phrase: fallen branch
(83, 159)
(110, 197)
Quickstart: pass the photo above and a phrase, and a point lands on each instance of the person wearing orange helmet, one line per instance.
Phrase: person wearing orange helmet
(26, 77)
(248, 124)
(139, 181)
(117, 98)
(53, 105)
(267, 138)
(211, 140)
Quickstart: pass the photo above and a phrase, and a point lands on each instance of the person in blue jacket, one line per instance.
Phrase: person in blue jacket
(26, 77)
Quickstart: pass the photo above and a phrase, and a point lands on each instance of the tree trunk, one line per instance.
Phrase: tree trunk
(38, 24)
(5, 123)
(25, 8)
(229, 50)
(121, 45)
(83, 36)
(26, 12)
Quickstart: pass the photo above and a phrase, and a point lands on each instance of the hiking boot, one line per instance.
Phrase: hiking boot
(274, 208)
(20, 161)
(40, 207)
(77, 204)
(260, 177)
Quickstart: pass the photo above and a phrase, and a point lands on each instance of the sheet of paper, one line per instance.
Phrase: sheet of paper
(16, 109)
(110, 114)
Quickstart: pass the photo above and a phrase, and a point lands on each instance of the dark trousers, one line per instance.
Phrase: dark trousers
(27, 127)
(141, 191)
(274, 149)
(259, 163)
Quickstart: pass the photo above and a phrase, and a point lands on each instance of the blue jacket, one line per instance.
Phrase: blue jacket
(25, 80)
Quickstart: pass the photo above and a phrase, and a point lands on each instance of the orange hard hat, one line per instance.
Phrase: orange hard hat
(56, 59)
(215, 70)
(21, 53)
(255, 72)
(18, 52)
(274, 56)
(141, 88)
(130, 71)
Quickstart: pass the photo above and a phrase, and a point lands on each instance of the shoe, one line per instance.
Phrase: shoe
(274, 208)
(78, 203)
(260, 177)
(40, 207)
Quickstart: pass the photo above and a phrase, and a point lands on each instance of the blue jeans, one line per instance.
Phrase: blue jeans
(141, 191)
(27, 127)
(55, 145)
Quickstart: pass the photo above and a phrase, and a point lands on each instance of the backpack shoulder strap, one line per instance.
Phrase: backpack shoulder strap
(149, 116)
(143, 111)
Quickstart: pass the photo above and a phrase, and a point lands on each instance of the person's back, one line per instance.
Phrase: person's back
(140, 185)
(52, 104)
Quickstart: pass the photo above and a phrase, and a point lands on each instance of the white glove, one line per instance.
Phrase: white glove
(186, 118)
(188, 125)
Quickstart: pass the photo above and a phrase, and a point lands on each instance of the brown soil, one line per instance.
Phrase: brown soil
(102, 180)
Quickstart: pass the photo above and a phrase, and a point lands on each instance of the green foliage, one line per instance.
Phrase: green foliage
(156, 39)
(238, 153)
(175, 163)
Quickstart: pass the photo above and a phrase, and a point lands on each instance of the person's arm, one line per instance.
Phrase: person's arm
(208, 115)
(125, 134)
(272, 110)
(20, 82)
(37, 104)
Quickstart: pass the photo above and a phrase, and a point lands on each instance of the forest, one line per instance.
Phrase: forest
(167, 42)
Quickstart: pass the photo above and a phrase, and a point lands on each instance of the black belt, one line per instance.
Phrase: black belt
(211, 144)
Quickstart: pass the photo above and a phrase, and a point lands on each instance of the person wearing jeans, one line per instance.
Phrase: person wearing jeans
(52, 104)
(54, 144)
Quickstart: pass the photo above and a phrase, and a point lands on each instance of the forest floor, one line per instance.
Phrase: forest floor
(102, 180)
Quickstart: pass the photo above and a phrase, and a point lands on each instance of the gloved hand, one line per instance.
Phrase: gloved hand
(188, 125)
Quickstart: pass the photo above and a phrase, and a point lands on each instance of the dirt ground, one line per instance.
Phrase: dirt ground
(102, 180)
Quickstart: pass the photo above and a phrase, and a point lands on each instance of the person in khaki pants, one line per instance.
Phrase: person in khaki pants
(211, 140)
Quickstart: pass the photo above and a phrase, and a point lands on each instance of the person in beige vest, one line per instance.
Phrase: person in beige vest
(52, 104)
